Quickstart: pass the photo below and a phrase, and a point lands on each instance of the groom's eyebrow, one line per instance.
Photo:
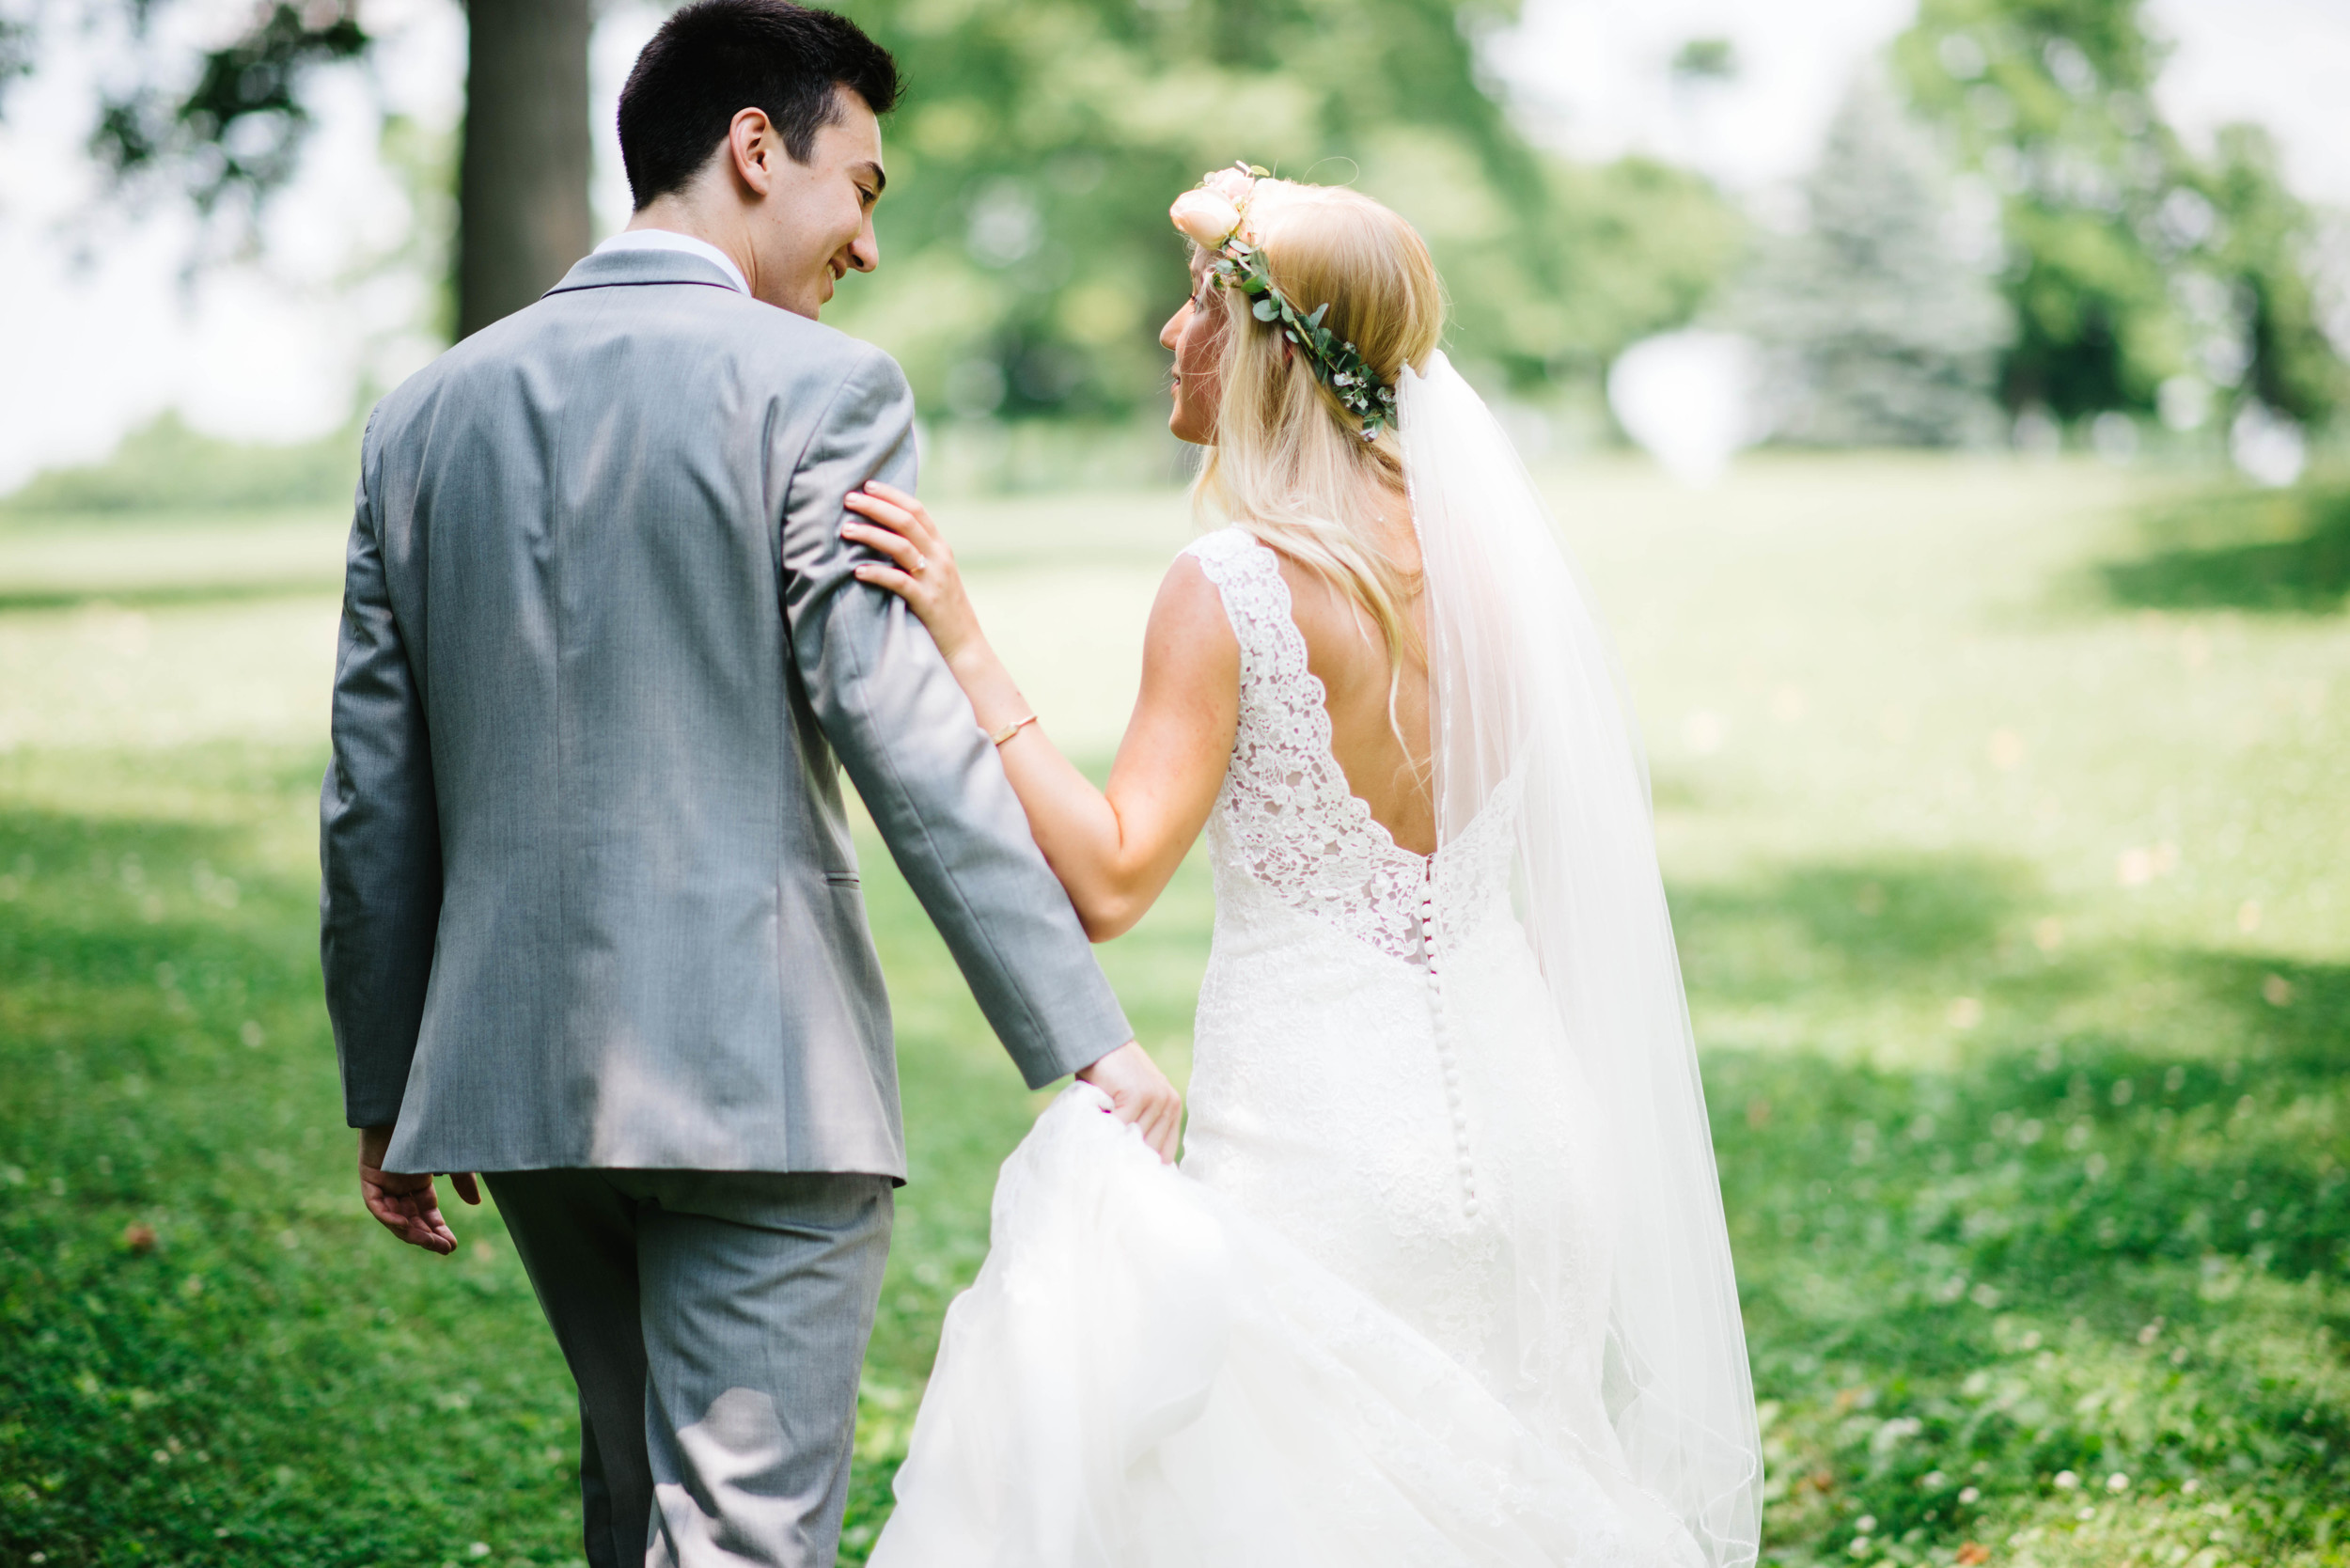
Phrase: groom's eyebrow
(877, 174)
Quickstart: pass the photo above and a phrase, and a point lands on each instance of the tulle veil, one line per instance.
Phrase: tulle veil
(1526, 687)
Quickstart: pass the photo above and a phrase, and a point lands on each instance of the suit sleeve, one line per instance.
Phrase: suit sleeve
(903, 729)
(378, 841)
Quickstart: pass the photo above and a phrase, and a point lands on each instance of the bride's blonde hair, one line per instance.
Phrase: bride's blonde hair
(1289, 464)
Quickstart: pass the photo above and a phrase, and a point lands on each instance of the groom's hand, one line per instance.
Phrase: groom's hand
(407, 1205)
(1139, 1094)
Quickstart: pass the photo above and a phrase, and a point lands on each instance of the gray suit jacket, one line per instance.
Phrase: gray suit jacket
(589, 893)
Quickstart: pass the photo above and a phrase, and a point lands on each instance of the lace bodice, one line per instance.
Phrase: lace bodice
(1287, 814)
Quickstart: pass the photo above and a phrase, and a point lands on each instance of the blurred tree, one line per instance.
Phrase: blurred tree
(1707, 59)
(522, 217)
(233, 135)
(16, 48)
(1027, 258)
(1639, 246)
(2263, 237)
(1883, 323)
(2130, 263)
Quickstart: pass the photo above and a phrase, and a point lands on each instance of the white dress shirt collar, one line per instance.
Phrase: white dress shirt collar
(664, 239)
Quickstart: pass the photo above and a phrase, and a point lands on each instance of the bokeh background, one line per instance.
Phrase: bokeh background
(1946, 397)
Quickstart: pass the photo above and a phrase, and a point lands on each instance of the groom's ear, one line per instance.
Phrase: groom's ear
(751, 151)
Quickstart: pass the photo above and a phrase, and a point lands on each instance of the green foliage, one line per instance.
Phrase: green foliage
(1027, 259)
(16, 50)
(2052, 99)
(166, 466)
(1028, 262)
(1707, 60)
(1885, 330)
(2294, 369)
(2131, 261)
(1638, 247)
(238, 130)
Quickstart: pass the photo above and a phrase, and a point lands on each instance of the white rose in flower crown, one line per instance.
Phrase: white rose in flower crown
(1206, 217)
(1232, 184)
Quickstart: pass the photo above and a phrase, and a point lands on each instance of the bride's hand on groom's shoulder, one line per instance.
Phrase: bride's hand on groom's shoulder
(1139, 1094)
(919, 566)
(407, 1205)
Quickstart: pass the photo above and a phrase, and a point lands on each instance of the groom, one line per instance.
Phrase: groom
(590, 914)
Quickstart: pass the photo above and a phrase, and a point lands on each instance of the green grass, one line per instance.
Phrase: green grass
(2010, 897)
(2288, 551)
(164, 466)
(146, 560)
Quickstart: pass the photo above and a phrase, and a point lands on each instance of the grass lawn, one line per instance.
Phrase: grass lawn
(2001, 810)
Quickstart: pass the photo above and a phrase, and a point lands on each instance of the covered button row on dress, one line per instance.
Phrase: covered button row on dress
(1445, 1058)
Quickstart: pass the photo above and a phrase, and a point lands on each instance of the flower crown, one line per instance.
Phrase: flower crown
(1215, 215)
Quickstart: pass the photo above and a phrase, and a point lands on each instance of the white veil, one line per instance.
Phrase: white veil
(1524, 683)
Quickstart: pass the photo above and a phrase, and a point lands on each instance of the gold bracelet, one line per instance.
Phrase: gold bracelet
(1009, 731)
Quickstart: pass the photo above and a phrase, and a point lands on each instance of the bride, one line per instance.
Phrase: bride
(1442, 1278)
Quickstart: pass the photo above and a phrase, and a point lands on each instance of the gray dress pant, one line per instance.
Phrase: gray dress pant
(715, 1323)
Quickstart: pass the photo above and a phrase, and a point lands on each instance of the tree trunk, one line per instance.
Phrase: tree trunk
(522, 190)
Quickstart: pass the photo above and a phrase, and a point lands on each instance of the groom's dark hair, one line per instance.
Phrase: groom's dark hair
(715, 58)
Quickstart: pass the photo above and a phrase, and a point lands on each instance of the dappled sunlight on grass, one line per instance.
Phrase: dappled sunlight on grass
(2072, 1260)
(2261, 550)
(102, 675)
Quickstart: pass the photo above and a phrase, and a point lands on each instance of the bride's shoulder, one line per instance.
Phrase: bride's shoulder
(1187, 618)
(1221, 551)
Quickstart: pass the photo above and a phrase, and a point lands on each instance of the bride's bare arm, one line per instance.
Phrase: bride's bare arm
(1113, 850)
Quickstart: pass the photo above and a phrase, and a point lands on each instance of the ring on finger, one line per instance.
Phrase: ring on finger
(919, 561)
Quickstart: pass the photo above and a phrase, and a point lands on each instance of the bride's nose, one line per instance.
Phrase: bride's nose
(1172, 333)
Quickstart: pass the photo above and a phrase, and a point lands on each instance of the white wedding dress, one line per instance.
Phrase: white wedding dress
(1318, 1342)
